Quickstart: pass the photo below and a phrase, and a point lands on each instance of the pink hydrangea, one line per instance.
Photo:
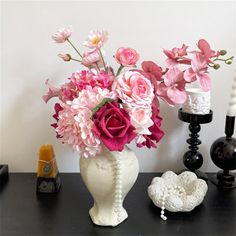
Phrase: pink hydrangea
(74, 124)
(134, 89)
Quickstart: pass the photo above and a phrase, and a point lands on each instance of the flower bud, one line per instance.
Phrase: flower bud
(223, 52)
(65, 57)
(228, 62)
(216, 66)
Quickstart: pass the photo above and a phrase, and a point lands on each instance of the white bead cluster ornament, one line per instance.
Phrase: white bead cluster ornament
(176, 193)
(118, 187)
(168, 191)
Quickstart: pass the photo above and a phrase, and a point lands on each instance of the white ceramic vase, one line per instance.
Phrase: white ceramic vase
(109, 177)
(198, 101)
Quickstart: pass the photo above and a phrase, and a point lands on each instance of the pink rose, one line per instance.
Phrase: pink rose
(155, 130)
(134, 89)
(126, 56)
(141, 119)
(112, 125)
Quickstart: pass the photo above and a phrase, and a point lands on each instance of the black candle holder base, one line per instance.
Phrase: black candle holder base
(224, 180)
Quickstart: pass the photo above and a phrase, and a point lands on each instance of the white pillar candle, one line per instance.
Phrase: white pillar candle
(232, 100)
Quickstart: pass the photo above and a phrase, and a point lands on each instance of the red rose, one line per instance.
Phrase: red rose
(112, 125)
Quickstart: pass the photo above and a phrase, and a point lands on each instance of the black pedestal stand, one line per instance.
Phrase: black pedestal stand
(193, 159)
(223, 154)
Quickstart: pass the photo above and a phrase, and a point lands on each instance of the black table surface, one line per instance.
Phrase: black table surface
(22, 212)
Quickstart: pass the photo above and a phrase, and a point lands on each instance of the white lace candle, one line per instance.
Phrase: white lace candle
(232, 100)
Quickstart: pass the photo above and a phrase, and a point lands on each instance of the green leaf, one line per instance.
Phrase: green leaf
(101, 104)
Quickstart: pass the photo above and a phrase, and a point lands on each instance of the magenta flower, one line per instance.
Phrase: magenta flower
(172, 89)
(198, 71)
(206, 50)
(57, 108)
(62, 35)
(176, 55)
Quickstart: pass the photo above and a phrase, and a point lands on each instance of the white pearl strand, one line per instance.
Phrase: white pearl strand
(118, 188)
(167, 191)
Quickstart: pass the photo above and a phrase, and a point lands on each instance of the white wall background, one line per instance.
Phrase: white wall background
(29, 57)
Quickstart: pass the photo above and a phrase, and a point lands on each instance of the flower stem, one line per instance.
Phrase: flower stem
(227, 59)
(74, 48)
(73, 59)
(103, 62)
(97, 67)
(119, 70)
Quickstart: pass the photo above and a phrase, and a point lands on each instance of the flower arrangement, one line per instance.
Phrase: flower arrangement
(99, 106)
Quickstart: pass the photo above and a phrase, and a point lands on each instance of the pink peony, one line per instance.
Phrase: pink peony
(198, 71)
(126, 56)
(176, 55)
(155, 130)
(92, 59)
(112, 125)
(96, 39)
(134, 89)
(62, 35)
(65, 57)
(172, 90)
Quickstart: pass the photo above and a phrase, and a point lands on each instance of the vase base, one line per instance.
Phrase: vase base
(107, 218)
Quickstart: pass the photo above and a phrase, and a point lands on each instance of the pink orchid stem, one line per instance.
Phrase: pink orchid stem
(74, 48)
(103, 62)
